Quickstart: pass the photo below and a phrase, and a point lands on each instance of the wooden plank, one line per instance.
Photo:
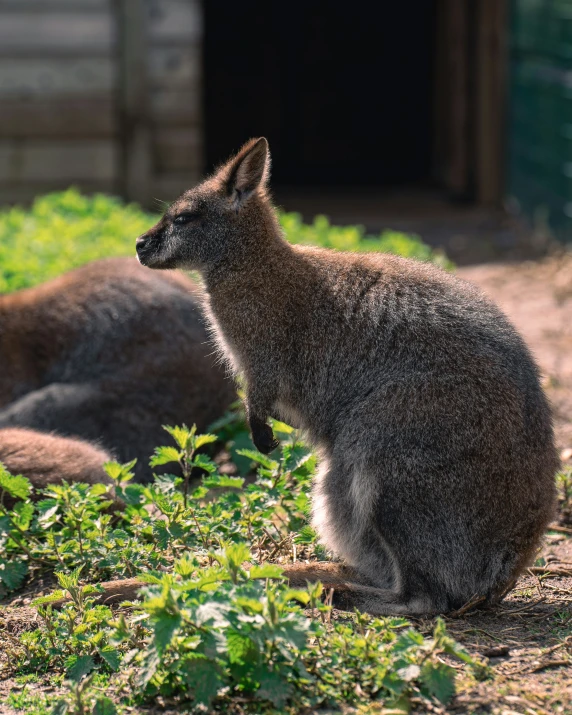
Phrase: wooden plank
(93, 116)
(46, 76)
(56, 32)
(136, 165)
(175, 21)
(175, 67)
(166, 187)
(491, 71)
(52, 5)
(23, 160)
(25, 193)
(457, 69)
(178, 149)
(175, 107)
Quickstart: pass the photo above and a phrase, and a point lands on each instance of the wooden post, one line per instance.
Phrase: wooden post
(491, 68)
(136, 169)
(457, 73)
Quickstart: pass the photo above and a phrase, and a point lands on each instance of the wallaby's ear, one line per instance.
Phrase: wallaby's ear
(246, 172)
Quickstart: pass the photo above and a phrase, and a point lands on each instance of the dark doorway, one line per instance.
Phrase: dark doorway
(342, 90)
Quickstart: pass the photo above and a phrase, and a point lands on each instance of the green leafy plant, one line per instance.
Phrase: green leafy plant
(63, 230)
(217, 624)
(354, 238)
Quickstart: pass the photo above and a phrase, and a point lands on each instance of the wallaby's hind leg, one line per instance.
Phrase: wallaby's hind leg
(349, 593)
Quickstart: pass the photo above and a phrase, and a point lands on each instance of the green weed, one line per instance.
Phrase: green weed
(63, 230)
(217, 626)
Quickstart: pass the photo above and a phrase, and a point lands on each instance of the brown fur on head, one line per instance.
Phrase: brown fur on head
(210, 223)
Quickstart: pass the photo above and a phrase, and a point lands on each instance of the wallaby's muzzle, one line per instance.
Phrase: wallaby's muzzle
(148, 247)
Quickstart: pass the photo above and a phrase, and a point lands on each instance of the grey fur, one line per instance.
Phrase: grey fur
(436, 477)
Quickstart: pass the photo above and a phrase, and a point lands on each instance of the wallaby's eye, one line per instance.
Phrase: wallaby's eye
(185, 217)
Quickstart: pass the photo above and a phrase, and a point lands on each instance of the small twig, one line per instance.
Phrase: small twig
(561, 529)
(538, 583)
(550, 571)
(467, 607)
(562, 644)
(278, 546)
(525, 608)
(550, 664)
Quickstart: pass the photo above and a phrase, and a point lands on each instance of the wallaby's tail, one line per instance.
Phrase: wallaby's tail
(348, 593)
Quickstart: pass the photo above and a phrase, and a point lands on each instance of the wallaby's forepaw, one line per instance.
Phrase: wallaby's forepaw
(264, 439)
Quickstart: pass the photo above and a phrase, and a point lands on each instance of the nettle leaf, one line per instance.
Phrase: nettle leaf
(294, 456)
(111, 656)
(250, 605)
(202, 675)
(272, 687)
(69, 580)
(258, 457)
(77, 666)
(185, 566)
(54, 596)
(410, 672)
(161, 534)
(22, 514)
(298, 595)
(240, 647)
(120, 473)
(104, 706)
(12, 573)
(203, 462)
(61, 707)
(408, 639)
(203, 439)
(221, 482)
(149, 664)
(213, 614)
(132, 494)
(182, 435)
(306, 535)
(281, 427)
(439, 680)
(164, 628)
(266, 571)
(17, 486)
(165, 455)
(48, 517)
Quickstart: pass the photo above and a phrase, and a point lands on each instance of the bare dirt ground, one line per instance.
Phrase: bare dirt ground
(528, 638)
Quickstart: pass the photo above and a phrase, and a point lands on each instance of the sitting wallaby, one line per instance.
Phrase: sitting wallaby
(437, 454)
(109, 352)
(46, 459)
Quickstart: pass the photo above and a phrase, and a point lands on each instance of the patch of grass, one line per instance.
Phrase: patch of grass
(63, 230)
(29, 702)
(218, 628)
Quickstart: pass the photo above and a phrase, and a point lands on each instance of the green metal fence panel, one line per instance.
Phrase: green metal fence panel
(540, 116)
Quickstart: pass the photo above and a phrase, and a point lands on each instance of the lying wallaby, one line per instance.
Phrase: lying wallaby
(437, 454)
(109, 352)
(45, 459)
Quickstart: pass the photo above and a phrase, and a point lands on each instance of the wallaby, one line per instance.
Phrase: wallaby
(46, 459)
(435, 439)
(109, 352)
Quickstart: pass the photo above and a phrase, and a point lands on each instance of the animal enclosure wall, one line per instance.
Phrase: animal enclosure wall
(103, 94)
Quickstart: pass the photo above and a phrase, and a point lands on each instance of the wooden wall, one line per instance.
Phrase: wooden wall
(103, 94)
